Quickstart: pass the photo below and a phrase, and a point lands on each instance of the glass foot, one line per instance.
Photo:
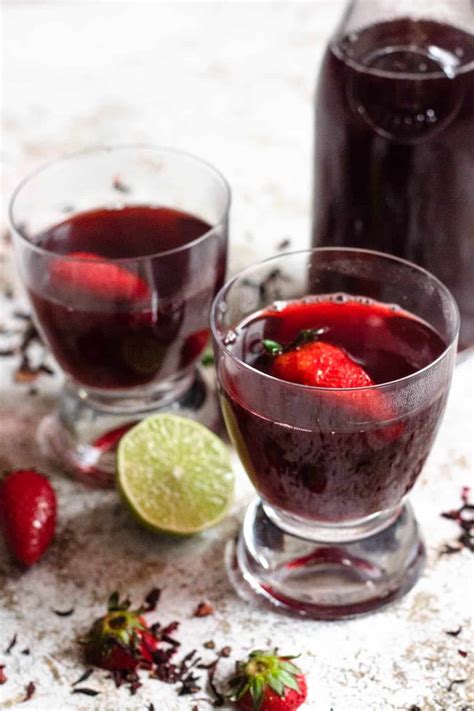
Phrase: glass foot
(325, 581)
(83, 434)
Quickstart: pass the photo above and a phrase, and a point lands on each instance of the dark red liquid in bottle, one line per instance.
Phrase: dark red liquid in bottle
(328, 456)
(394, 157)
(121, 324)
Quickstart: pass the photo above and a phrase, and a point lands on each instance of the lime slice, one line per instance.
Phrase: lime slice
(174, 474)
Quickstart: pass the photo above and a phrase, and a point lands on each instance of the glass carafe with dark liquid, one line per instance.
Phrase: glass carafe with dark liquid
(394, 148)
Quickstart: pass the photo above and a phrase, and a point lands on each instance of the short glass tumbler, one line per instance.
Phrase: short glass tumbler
(121, 251)
(331, 534)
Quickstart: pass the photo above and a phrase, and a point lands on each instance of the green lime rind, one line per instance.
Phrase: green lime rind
(174, 474)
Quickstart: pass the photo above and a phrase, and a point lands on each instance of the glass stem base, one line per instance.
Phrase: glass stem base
(324, 580)
(83, 433)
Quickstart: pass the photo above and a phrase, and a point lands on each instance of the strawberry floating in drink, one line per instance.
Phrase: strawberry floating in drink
(312, 362)
(92, 276)
(309, 361)
(268, 681)
(27, 514)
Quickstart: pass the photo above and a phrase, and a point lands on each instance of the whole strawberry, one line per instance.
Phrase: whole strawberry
(27, 514)
(268, 681)
(120, 640)
(311, 361)
(90, 276)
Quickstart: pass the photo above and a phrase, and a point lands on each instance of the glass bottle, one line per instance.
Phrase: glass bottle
(394, 138)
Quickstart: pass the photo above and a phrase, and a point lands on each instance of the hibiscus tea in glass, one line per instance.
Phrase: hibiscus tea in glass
(121, 251)
(334, 367)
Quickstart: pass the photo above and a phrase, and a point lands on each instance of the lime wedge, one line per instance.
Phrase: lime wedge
(174, 474)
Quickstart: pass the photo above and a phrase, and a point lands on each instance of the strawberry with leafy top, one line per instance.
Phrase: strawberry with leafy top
(121, 640)
(27, 514)
(309, 361)
(268, 681)
(91, 276)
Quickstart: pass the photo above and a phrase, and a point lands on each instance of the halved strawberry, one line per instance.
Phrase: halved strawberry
(120, 640)
(308, 361)
(92, 276)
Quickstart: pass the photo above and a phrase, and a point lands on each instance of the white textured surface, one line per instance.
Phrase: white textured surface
(232, 82)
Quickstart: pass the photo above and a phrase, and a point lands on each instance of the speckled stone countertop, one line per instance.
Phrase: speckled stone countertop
(232, 82)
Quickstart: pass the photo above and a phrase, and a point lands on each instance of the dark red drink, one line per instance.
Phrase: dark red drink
(394, 159)
(123, 307)
(339, 455)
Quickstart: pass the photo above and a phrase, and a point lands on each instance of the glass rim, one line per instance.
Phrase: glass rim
(388, 74)
(97, 150)
(312, 388)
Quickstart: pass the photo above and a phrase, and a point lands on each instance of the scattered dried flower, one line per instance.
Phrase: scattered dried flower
(11, 644)
(163, 664)
(454, 682)
(219, 698)
(84, 690)
(454, 633)
(204, 609)
(29, 691)
(28, 337)
(152, 600)
(448, 549)
(285, 243)
(83, 677)
(120, 186)
(464, 517)
(64, 613)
